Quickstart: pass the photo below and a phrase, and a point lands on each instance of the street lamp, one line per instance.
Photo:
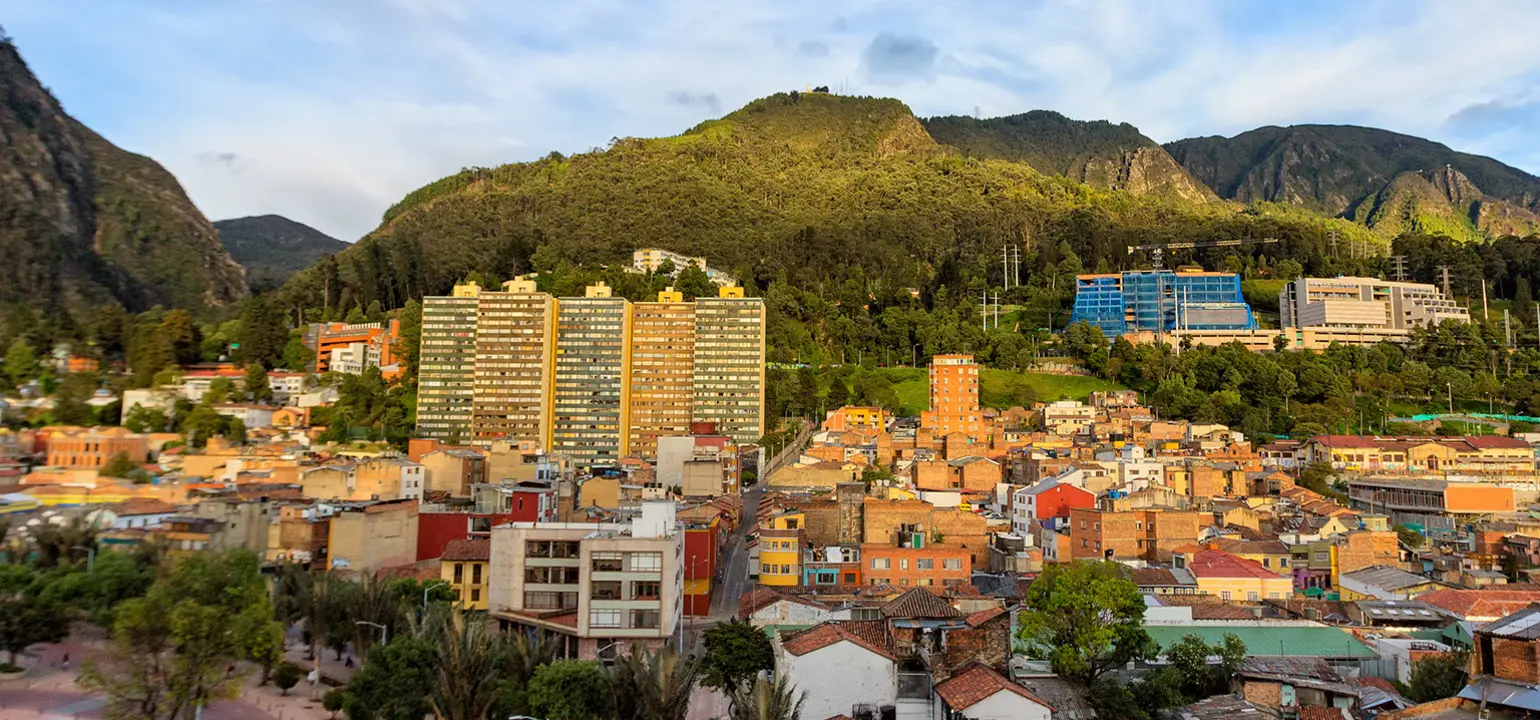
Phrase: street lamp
(384, 631)
(90, 555)
(426, 588)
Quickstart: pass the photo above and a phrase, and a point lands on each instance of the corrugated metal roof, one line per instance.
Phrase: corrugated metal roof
(1263, 640)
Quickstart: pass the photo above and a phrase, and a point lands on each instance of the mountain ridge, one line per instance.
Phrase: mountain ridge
(272, 247)
(85, 223)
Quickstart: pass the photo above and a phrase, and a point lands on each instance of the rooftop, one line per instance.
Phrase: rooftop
(822, 636)
(1263, 639)
(919, 603)
(1482, 603)
(1386, 578)
(975, 683)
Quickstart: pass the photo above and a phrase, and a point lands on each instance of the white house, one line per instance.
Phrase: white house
(324, 395)
(254, 416)
(134, 513)
(977, 692)
(838, 670)
(285, 385)
(149, 399)
(764, 606)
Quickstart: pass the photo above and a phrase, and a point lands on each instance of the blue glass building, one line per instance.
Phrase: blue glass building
(1161, 301)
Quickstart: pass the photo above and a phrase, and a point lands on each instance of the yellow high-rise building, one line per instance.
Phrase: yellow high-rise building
(446, 364)
(730, 364)
(514, 334)
(662, 370)
(590, 410)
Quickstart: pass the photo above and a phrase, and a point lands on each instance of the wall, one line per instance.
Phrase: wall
(1515, 660)
(898, 575)
(1478, 498)
(435, 530)
(377, 537)
(838, 677)
(1006, 705)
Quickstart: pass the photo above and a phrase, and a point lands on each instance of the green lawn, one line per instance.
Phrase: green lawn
(913, 392)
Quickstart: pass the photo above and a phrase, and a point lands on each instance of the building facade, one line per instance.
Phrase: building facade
(590, 415)
(1161, 301)
(512, 364)
(1368, 303)
(446, 373)
(662, 371)
(954, 396)
(730, 364)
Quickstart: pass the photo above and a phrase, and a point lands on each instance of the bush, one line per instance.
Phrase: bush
(286, 676)
(333, 700)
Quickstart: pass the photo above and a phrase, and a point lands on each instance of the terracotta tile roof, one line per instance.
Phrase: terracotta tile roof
(1493, 603)
(1222, 611)
(468, 549)
(759, 598)
(142, 506)
(1147, 577)
(1220, 564)
(1321, 713)
(975, 683)
(872, 631)
(984, 616)
(822, 636)
(919, 603)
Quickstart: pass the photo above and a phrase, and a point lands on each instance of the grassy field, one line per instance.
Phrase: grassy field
(913, 393)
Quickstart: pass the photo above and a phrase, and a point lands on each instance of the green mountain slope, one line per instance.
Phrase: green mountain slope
(83, 222)
(1391, 181)
(272, 247)
(1097, 153)
(815, 189)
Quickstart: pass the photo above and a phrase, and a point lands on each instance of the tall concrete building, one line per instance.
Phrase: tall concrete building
(730, 364)
(513, 364)
(1364, 303)
(594, 378)
(597, 587)
(954, 396)
(590, 408)
(446, 364)
(662, 370)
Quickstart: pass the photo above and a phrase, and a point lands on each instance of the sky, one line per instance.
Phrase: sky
(329, 111)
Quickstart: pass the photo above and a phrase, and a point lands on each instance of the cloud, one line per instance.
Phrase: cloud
(229, 160)
(330, 112)
(812, 49)
(895, 58)
(701, 100)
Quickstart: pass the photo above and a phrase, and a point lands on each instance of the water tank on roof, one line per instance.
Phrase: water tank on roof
(833, 555)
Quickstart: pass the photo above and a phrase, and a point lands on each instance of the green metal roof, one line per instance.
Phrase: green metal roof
(1287, 641)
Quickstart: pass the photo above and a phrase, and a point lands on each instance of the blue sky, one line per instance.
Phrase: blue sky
(328, 111)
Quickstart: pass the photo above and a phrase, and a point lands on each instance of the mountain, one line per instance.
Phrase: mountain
(810, 188)
(1098, 153)
(272, 247)
(85, 223)
(1388, 181)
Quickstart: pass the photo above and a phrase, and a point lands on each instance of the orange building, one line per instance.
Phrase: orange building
(91, 448)
(911, 567)
(337, 336)
(954, 396)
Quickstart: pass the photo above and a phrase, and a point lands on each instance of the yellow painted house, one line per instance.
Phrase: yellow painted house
(464, 567)
(1232, 578)
(780, 550)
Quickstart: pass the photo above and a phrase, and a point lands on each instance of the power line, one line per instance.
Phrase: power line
(1398, 267)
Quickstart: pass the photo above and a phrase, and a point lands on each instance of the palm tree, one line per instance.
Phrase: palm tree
(767, 699)
(63, 542)
(320, 600)
(371, 600)
(653, 686)
(466, 679)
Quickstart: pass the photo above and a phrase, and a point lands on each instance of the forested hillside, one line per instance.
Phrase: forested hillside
(84, 223)
(272, 248)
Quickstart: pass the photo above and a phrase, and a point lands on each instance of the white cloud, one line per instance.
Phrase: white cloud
(330, 112)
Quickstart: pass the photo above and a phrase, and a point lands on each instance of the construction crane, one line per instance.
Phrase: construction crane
(1157, 252)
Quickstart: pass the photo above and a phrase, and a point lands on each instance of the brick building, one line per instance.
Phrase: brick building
(932, 565)
(91, 448)
(954, 396)
(1150, 535)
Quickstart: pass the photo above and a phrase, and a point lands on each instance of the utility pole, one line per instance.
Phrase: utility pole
(1005, 266)
(1398, 266)
(1508, 328)
(997, 311)
(1331, 238)
(984, 309)
(1016, 269)
(1485, 316)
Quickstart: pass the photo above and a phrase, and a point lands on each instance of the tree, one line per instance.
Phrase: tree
(141, 419)
(70, 406)
(694, 283)
(264, 332)
(735, 653)
(221, 390)
(1087, 618)
(395, 683)
(286, 676)
(257, 387)
(118, 466)
(27, 615)
(653, 685)
(20, 363)
(771, 698)
(1409, 537)
(570, 690)
(201, 424)
(1195, 677)
(1436, 677)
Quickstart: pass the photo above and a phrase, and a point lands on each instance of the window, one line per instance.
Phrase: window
(646, 590)
(476, 574)
(1251, 596)
(763, 568)
(1224, 595)
(1272, 596)
(646, 561)
(459, 573)
(475, 594)
(605, 590)
(646, 618)
(925, 564)
(881, 563)
(951, 564)
(850, 578)
(607, 561)
(551, 575)
(785, 569)
(903, 563)
(537, 600)
(1283, 562)
(1266, 562)
(604, 618)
